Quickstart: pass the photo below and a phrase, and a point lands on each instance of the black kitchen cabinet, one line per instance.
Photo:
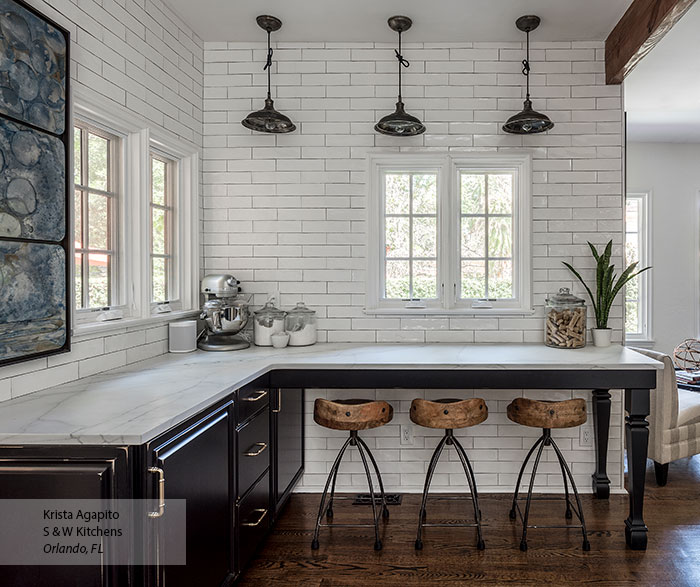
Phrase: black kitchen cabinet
(235, 463)
(195, 461)
(75, 472)
(287, 425)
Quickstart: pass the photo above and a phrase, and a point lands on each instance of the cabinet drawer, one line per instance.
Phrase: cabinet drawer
(251, 399)
(253, 518)
(253, 451)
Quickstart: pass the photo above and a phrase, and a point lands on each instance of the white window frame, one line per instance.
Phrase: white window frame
(645, 283)
(139, 138)
(448, 168)
(185, 223)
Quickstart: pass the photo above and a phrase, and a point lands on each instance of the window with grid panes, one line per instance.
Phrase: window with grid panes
(410, 236)
(162, 236)
(96, 216)
(449, 234)
(486, 235)
(637, 291)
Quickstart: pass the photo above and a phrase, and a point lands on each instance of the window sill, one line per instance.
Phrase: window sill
(452, 312)
(89, 328)
(645, 343)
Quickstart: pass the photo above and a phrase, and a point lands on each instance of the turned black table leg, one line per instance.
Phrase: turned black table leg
(601, 426)
(637, 435)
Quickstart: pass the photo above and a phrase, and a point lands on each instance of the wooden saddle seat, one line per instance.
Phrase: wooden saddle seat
(352, 414)
(448, 413)
(548, 414)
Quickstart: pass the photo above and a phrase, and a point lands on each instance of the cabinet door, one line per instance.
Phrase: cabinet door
(64, 473)
(288, 425)
(196, 464)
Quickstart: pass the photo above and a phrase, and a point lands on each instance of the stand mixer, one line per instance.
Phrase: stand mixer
(224, 314)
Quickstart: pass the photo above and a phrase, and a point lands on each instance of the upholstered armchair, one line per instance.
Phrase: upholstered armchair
(674, 421)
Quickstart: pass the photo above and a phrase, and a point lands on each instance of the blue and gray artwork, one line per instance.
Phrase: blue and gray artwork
(32, 69)
(32, 299)
(32, 183)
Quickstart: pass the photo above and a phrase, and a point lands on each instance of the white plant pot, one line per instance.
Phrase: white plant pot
(601, 336)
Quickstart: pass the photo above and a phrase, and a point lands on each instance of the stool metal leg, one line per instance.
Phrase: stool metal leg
(377, 541)
(331, 475)
(385, 509)
(329, 509)
(568, 515)
(472, 487)
(562, 462)
(523, 540)
(426, 486)
(520, 476)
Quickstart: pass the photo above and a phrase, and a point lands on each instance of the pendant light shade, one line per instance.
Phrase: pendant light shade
(268, 119)
(399, 123)
(528, 121)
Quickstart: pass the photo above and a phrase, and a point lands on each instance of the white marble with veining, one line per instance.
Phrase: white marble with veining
(134, 404)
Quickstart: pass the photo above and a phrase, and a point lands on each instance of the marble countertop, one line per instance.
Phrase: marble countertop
(134, 404)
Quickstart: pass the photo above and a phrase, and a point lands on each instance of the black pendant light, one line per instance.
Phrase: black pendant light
(529, 121)
(268, 119)
(399, 123)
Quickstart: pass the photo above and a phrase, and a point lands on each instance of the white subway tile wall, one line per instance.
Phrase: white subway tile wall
(143, 57)
(287, 213)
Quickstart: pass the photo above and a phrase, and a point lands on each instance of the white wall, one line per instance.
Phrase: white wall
(670, 172)
(287, 213)
(139, 55)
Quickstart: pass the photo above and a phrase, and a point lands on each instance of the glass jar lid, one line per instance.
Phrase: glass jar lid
(565, 298)
(299, 309)
(269, 311)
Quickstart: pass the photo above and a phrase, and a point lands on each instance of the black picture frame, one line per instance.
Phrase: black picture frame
(66, 138)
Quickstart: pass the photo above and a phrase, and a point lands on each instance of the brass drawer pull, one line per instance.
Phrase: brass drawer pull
(259, 520)
(161, 492)
(261, 393)
(262, 445)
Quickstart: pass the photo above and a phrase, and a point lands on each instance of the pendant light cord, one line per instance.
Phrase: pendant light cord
(526, 64)
(402, 63)
(268, 65)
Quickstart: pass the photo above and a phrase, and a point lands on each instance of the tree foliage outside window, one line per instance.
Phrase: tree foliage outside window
(410, 236)
(486, 235)
(95, 217)
(161, 204)
(636, 290)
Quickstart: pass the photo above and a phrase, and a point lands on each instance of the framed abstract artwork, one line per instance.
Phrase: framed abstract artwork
(35, 248)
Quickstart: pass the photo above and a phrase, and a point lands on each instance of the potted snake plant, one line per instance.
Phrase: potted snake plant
(607, 288)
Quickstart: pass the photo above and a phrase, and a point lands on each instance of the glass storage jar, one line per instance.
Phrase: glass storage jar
(267, 321)
(565, 320)
(300, 323)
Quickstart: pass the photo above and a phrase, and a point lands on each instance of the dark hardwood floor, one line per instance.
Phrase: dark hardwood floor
(449, 557)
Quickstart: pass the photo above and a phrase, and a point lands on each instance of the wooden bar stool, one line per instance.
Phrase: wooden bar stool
(548, 415)
(352, 415)
(448, 414)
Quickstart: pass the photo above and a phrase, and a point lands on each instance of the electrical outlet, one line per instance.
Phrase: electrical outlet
(586, 436)
(406, 434)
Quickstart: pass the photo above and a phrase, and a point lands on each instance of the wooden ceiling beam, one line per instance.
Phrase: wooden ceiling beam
(638, 32)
